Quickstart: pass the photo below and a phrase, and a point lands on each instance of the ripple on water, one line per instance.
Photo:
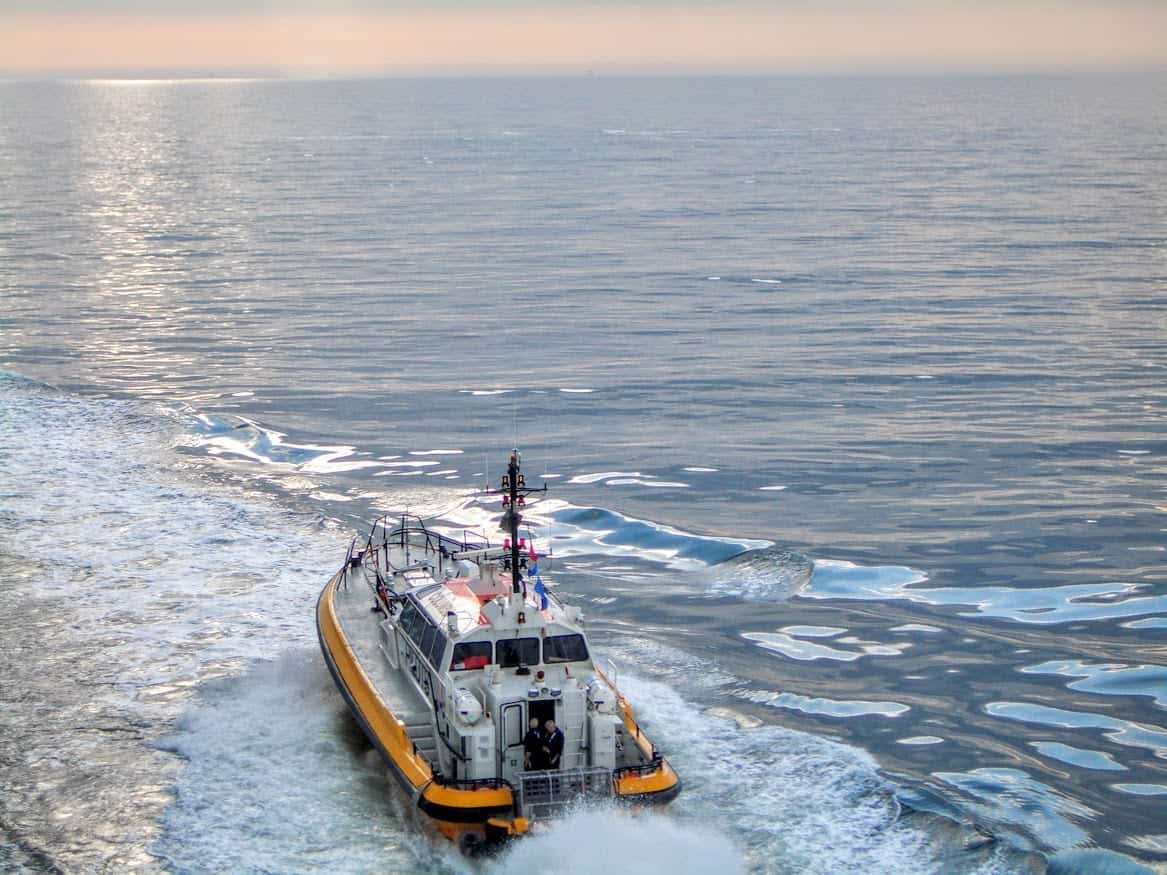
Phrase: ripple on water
(1077, 756)
(1045, 605)
(1147, 623)
(794, 802)
(1013, 796)
(915, 627)
(764, 574)
(1109, 679)
(603, 531)
(242, 438)
(798, 803)
(823, 706)
(1122, 732)
(1142, 789)
(813, 631)
(794, 648)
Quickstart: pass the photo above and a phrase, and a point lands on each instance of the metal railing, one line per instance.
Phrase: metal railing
(641, 770)
(547, 794)
(406, 533)
(472, 783)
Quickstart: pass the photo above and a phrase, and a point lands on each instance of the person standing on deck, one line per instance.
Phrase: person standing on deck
(552, 745)
(533, 756)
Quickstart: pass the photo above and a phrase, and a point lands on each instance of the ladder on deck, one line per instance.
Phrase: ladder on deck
(575, 754)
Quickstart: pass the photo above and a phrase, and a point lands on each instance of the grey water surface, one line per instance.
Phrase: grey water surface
(851, 395)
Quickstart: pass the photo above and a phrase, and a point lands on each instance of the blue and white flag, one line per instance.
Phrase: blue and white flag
(541, 591)
(533, 569)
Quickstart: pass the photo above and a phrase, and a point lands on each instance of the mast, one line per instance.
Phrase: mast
(514, 493)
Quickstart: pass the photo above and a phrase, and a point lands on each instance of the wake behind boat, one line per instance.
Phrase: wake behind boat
(477, 683)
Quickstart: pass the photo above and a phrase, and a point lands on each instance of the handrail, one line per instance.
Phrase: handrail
(646, 746)
(473, 783)
(434, 541)
(641, 770)
(394, 525)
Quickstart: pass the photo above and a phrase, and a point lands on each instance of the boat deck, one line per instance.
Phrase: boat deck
(353, 604)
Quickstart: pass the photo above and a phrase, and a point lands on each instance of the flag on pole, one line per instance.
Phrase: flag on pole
(541, 591)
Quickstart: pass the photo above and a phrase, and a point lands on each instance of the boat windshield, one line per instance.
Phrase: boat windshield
(411, 623)
(565, 648)
(518, 651)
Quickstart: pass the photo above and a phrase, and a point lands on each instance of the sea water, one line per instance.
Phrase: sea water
(849, 394)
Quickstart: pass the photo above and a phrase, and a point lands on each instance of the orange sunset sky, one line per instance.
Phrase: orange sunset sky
(310, 38)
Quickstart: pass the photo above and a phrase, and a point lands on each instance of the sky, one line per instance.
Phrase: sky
(372, 37)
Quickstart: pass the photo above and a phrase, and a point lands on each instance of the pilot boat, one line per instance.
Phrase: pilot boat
(446, 649)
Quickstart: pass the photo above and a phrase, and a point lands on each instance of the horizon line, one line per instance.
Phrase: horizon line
(245, 75)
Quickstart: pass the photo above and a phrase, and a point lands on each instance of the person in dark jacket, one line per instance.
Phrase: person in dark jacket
(533, 756)
(552, 745)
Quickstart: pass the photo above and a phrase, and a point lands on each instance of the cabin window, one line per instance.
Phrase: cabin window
(427, 640)
(470, 654)
(518, 651)
(436, 649)
(410, 620)
(565, 648)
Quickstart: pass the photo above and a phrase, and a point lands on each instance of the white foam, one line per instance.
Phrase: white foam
(606, 841)
(246, 439)
(323, 495)
(278, 779)
(329, 464)
(411, 468)
(792, 802)
(179, 579)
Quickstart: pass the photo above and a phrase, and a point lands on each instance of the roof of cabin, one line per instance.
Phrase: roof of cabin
(455, 595)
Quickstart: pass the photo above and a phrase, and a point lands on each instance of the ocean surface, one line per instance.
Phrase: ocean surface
(851, 396)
